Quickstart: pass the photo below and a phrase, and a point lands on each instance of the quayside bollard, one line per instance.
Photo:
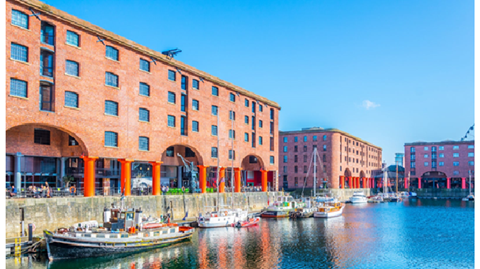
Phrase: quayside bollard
(30, 232)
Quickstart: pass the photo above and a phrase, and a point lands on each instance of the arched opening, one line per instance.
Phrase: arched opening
(251, 174)
(362, 178)
(175, 169)
(434, 180)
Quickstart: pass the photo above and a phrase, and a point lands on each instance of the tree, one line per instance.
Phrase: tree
(68, 179)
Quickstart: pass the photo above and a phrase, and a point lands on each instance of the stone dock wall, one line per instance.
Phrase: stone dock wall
(52, 213)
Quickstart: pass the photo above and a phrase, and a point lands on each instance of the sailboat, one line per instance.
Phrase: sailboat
(470, 196)
(223, 216)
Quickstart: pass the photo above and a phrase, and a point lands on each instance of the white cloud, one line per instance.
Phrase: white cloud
(370, 105)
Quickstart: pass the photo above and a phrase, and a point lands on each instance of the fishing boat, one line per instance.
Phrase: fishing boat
(280, 208)
(404, 195)
(247, 223)
(304, 212)
(122, 232)
(222, 218)
(358, 198)
(329, 210)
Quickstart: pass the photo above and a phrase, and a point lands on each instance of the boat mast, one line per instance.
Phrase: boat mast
(470, 182)
(314, 172)
(396, 178)
(385, 175)
(218, 161)
(231, 182)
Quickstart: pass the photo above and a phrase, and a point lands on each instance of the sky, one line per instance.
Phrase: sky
(388, 72)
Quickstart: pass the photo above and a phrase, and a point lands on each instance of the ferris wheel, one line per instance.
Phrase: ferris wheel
(470, 134)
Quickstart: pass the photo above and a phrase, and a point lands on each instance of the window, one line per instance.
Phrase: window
(183, 102)
(246, 119)
(425, 156)
(260, 140)
(195, 84)
(71, 99)
(285, 159)
(71, 68)
(434, 164)
(455, 147)
(144, 89)
(456, 155)
(441, 155)
(46, 97)
(111, 79)
(324, 147)
(47, 34)
(231, 134)
(231, 153)
(73, 39)
(195, 105)
(441, 148)
(324, 137)
(46, 63)
(19, 52)
(456, 163)
(470, 154)
(470, 146)
(19, 19)
(272, 146)
(260, 108)
(232, 97)
(305, 139)
(296, 158)
(144, 115)
(441, 163)
(285, 149)
(215, 110)
(214, 152)
(260, 123)
(455, 173)
(304, 158)
(184, 82)
(214, 130)
(172, 75)
(315, 138)
(425, 148)
(111, 53)
(434, 149)
(144, 65)
(171, 97)
(471, 163)
(189, 152)
(232, 115)
(183, 125)
(72, 141)
(247, 103)
(304, 168)
(285, 169)
(41, 137)
(425, 164)
(272, 159)
(111, 139)
(304, 148)
(295, 169)
(285, 139)
(195, 126)
(170, 152)
(253, 107)
(143, 143)
(271, 114)
(271, 128)
(412, 165)
(295, 139)
(171, 121)
(246, 137)
(111, 108)
(214, 91)
(18, 88)
(412, 149)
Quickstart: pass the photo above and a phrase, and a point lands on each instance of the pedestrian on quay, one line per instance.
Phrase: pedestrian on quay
(49, 191)
(166, 189)
(163, 189)
(73, 190)
(13, 191)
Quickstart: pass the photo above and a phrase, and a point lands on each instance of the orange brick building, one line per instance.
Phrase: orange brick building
(85, 102)
(348, 160)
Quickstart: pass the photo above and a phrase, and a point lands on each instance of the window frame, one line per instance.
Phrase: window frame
(147, 140)
(145, 63)
(77, 99)
(17, 47)
(171, 117)
(115, 140)
(67, 39)
(110, 102)
(13, 93)
(145, 112)
(111, 75)
(20, 14)
(67, 62)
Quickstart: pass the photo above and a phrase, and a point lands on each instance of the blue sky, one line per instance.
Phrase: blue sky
(388, 72)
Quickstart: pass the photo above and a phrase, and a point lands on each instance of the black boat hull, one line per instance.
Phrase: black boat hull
(62, 249)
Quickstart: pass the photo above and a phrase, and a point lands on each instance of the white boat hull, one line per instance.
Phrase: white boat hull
(328, 214)
(358, 200)
(222, 220)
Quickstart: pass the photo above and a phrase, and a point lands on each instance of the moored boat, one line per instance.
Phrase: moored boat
(247, 223)
(358, 198)
(222, 218)
(329, 210)
(280, 208)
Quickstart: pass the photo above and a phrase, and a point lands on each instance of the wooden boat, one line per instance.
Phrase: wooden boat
(246, 223)
(117, 236)
(329, 210)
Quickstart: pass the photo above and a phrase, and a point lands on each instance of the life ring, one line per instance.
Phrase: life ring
(226, 213)
(62, 230)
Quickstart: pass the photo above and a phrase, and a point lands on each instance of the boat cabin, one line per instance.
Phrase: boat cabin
(120, 220)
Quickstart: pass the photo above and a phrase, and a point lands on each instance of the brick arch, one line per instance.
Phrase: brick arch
(81, 143)
(347, 173)
(245, 161)
(177, 159)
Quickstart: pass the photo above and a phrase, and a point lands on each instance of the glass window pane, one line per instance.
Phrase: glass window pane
(19, 52)
(72, 39)
(20, 19)
(144, 65)
(71, 99)
(111, 79)
(112, 53)
(18, 88)
(111, 139)
(111, 108)
(144, 115)
(71, 68)
(143, 143)
(144, 89)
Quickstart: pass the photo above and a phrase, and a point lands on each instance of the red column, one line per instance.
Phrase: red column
(405, 182)
(238, 183)
(125, 176)
(221, 185)
(264, 180)
(448, 183)
(420, 182)
(342, 182)
(89, 176)
(358, 183)
(464, 186)
(202, 181)
(373, 183)
(156, 177)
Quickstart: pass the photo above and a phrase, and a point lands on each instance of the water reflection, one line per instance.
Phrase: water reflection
(416, 234)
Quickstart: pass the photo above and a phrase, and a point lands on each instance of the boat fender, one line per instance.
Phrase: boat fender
(226, 213)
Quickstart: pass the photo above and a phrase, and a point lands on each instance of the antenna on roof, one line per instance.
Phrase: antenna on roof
(171, 53)
(201, 79)
(100, 40)
(153, 60)
(35, 14)
(179, 71)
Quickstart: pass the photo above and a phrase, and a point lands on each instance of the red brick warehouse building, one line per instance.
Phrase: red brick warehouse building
(348, 160)
(85, 102)
(441, 165)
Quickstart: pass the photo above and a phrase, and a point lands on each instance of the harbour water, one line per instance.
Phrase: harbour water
(413, 234)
